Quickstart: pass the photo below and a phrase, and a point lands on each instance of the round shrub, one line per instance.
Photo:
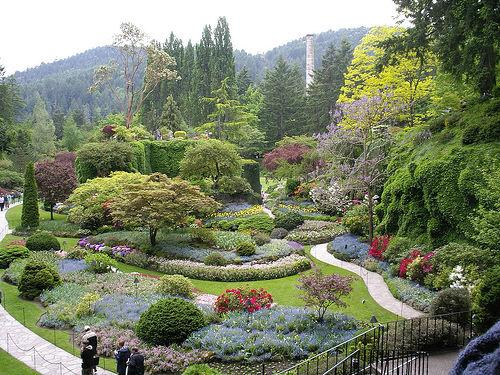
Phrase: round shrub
(12, 252)
(100, 263)
(43, 241)
(77, 253)
(215, 259)
(86, 305)
(36, 277)
(356, 219)
(397, 249)
(289, 220)
(451, 300)
(180, 134)
(279, 233)
(202, 369)
(261, 238)
(176, 285)
(168, 321)
(203, 236)
(486, 305)
(245, 248)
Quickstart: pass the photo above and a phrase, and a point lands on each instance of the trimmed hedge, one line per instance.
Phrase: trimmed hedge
(43, 241)
(251, 172)
(165, 157)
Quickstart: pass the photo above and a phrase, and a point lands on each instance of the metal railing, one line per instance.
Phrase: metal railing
(399, 347)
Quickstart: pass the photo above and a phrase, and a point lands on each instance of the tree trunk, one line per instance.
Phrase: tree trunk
(51, 212)
(370, 214)
(152, 236)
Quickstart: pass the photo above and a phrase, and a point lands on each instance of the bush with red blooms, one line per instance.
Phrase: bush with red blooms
(240, 299)
(416, 265)
(378, 246)
(291, 153)
(109, 130)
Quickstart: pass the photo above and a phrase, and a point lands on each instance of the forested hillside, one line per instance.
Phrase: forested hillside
(63, 84)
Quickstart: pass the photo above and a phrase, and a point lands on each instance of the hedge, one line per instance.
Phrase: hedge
(287, 266)
(165, 157)
(30, 217)
(139, 160)
(251, 172)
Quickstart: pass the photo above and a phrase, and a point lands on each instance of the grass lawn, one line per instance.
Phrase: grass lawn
(13, 216)
(9, 365)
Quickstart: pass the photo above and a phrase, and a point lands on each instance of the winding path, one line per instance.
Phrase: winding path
(374, 282)
(41, 355)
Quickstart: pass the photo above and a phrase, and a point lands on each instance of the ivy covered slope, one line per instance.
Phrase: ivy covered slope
(443, 180)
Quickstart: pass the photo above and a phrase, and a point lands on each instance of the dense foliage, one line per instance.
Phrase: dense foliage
(30, 218)
(43, 241)
(36, 277)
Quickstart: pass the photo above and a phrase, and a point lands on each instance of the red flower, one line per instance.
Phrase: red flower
(243, 300)
(378, 246)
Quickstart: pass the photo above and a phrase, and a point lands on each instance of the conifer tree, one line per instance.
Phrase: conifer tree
(325, 88)
(58, 119)
(189, 98)
(283, 90)
(203, 72)
(171, 117)
(72, 136)
(43, 135)
(30, 217)
(243, 81)
(223, 58)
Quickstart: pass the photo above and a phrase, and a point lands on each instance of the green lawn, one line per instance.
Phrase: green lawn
(9, 366)
(13, 216)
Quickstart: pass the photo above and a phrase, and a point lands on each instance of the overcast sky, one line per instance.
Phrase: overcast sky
(35, 31)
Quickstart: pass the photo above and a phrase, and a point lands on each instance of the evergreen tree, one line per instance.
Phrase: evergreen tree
(203, 73)
(171, 117)
(325, 88)
(189, 98)
(243, 81)
(43, 135)
(222, 57)
(283, 90)
(30, 217)
(58, 119)
(72, 135)
(22, 151)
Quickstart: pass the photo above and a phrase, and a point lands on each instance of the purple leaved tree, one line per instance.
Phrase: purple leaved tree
(355, 146)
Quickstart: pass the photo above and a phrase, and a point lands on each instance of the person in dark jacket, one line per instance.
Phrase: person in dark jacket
(87, 355)
(91, 337)
(122, 355)
(135, 363)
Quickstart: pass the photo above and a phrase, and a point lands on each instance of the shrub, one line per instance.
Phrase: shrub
(291, 185)
(452, 300)
(100, 263)
(486, 301)
(180, 134)
(233, 185)
(289, 220)
(315, 232)
(43, 241)
(251, 172)
(249, 300)
(379, 246)
(86, 305)
(215, 259)
(77, 253)
(200, 370)
(176, 285)
(11, 252)
(30, 217)
(37, 277)
(260, 222)
(245, 249)
(397, 248)
(454, 254)
(168, 321)
(356, 219)
(278, 233)
(261, 238)
(416, 265)
(203, 236)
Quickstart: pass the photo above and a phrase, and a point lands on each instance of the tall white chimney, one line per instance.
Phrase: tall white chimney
(309, 59)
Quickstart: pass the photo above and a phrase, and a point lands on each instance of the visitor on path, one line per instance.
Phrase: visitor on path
(87, 355)
(2, 202)
(122, 355)
(7, 201)
(135, 363)
(91, 337)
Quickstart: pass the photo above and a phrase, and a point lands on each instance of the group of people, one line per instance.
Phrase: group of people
(128, 362)
(7, 199)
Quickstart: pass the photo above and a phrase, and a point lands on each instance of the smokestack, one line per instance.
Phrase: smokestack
(309, 59)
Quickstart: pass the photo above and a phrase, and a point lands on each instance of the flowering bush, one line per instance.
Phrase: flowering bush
(100, 263)
(71, 265)
(313, 232)
(332, 199)
(378, 246)
(249, 300)
(416, 265)
(291, 153)
(118, 250)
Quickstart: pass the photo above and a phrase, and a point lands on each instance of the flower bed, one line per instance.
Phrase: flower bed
(314, 232)
(286, 266)
(410, 292)
(348, 248)
(274, 333)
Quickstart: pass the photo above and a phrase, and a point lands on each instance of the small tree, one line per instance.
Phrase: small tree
(30, 217)
(211, 159)
(56, 180)
(171, 116)
(159, 202)
(321, 292)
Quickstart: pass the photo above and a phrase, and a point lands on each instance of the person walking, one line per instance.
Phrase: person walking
(2, 202)
(87, 356)
(122, 355)
(91, 337)
(7, 201)
(135, 363)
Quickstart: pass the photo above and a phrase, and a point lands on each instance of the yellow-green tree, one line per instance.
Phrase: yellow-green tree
(408, 78)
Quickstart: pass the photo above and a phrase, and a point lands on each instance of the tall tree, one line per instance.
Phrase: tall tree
(463, 33)
(43, 135)
(283, 90)
(171, 117)
(189, 98)
(58, 120)
(243, 81)
(325, 88)
(30, 217)
(72, 136)
(10, 102)
(204, 58)
(222, 57)
(135, 51)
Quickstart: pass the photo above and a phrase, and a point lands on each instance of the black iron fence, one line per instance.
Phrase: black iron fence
(399, 347)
